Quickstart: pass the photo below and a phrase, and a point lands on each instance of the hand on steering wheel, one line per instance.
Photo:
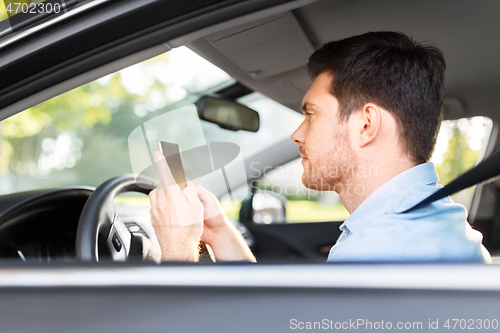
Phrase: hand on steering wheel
(101, 233)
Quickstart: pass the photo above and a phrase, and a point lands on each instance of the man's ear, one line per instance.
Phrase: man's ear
(369, 120)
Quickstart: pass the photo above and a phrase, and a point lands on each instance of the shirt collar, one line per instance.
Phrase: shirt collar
(390, 197)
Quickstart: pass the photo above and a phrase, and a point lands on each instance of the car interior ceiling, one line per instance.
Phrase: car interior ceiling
(270, 54)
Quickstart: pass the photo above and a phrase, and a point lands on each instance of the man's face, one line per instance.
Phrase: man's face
(324, 143)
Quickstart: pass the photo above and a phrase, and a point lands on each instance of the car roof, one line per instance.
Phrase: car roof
(466, 32)
(44, 60)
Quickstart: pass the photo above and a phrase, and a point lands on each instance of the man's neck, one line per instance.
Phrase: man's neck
(370, 177)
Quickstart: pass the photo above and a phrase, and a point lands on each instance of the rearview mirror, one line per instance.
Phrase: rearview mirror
(228, 114)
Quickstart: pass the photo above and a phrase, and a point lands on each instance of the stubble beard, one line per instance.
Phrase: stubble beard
(334, 169)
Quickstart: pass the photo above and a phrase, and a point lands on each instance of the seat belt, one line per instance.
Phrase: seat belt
(484, 171)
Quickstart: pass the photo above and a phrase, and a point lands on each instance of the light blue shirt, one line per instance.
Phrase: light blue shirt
(378, 231)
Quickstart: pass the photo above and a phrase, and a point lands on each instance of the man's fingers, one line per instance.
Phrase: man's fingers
(167, 180)
(159, 203)
(200, 189)
(153, 198)
(161, 164)
(191, 195)
(205, 195)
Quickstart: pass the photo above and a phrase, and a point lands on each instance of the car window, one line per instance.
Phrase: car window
(461, 144)
(81, 137)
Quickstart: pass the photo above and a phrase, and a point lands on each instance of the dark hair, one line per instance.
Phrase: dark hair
(393, 71)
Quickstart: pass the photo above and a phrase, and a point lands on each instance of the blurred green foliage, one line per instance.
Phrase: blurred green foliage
(3, 12)
(457, 159)
(96, 115)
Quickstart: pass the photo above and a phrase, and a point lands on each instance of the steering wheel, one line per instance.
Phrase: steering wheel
(101, 232)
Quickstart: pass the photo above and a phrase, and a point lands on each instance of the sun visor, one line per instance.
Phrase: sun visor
(267, 49)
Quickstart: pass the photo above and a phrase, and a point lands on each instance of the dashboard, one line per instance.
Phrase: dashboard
(41, 225)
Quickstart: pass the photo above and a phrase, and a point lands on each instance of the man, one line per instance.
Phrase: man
(372, 116)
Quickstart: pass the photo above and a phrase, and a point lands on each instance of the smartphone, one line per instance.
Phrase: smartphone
(171, 152)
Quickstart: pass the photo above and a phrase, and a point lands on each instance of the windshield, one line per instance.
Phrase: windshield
(81, 137)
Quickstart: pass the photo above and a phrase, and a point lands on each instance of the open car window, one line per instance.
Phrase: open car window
(80, 137)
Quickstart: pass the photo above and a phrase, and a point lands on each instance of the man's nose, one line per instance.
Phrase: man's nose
(298, 135)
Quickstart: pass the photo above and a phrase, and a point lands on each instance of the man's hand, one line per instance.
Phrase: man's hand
(177, 217)
(225, 240)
